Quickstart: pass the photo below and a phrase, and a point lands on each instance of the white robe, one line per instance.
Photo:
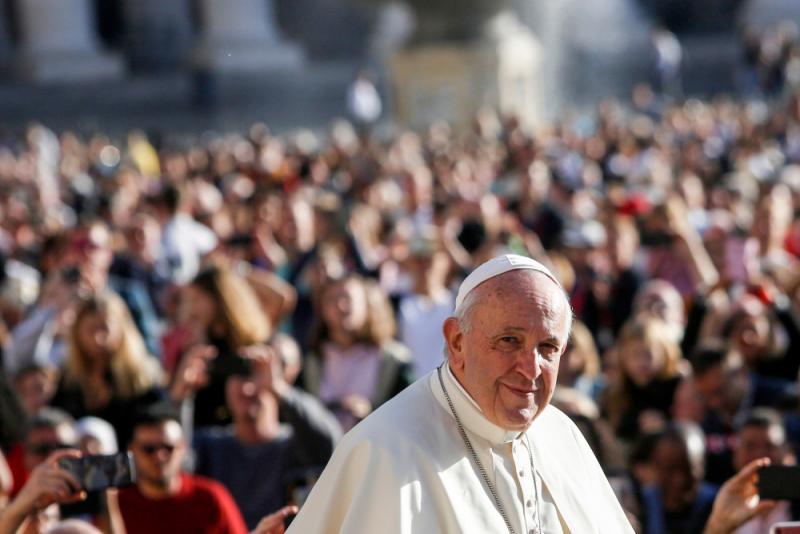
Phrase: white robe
(405, 469)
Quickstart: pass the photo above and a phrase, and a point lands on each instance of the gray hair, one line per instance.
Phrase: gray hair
(464, 313)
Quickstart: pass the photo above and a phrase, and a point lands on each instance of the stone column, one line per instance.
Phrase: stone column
(158, 34)
(5, 39)
(241, 35)
(59, 44)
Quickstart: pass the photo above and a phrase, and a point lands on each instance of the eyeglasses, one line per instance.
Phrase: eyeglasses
(43, 449)
(153, 448)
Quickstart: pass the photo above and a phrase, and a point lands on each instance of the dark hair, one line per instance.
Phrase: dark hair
(642, 448)
(707, 357)
(12, 415)
(759, 417)
(172, 197)
(155, 415)
(32, 369)
(472, 235)
(50, 418)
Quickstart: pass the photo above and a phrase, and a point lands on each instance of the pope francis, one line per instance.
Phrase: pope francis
(474, 446)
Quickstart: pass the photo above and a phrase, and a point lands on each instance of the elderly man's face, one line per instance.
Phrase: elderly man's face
(507, 358)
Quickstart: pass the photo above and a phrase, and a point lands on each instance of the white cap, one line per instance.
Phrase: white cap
(99, 429)
(495, 267)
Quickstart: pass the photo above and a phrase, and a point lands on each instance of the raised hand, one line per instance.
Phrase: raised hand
(267, 369)
(273, 523)
(737, 501)
(193, 371)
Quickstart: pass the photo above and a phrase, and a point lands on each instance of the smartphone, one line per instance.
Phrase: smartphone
(100, 472)
(792, 527)
(71, 275)
(229, 364)
(779, 482)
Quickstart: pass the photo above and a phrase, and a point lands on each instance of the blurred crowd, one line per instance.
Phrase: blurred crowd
(770, 60)
(225, 308)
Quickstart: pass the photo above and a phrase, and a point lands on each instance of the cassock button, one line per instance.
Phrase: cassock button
(529, 504)
(521, 473)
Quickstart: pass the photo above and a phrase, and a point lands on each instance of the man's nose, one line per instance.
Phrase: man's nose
(530, 364)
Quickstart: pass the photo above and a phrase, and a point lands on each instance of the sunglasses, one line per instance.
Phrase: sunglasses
(153, 448)
(44, 449)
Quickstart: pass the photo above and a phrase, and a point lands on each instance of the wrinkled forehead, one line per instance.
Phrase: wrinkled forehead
(523, 281)
(526, 284)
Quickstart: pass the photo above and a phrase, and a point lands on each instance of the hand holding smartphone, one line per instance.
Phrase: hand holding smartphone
(100, 472)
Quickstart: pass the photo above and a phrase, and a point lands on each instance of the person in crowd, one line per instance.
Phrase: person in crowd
(222, 315)
(36, 385)
(658, 299)
(760, 434)
(580, 363)
(279, 441)
(356, 364)
(139, 261)
(429, 303)
(33, 510)
(41, 337)
(50, 433)
(649, 372)
(108, 372)
(184, 241)
(678, 501)
(616, 280)
(753, 330)
(165, 498)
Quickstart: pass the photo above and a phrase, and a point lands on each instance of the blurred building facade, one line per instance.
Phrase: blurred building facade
(71, 40)
(151, 58)
(52, 40)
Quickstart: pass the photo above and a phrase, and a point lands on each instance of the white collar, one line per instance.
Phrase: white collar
(468, 410)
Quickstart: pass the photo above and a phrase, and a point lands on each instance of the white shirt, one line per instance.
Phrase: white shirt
(419, 322)
(405, 469)
(183, 244)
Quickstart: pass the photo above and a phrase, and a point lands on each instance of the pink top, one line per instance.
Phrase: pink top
(351, 371)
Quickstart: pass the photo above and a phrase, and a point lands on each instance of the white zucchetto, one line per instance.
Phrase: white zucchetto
(495, 267)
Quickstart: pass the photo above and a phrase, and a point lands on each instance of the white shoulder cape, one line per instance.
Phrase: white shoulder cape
(404, 469)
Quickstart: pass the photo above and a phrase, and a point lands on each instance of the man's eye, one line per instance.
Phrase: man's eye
(548, 349)
(509, 340)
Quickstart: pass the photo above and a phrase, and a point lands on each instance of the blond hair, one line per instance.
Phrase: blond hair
(238, 305)
(654, 333)
(133, 370)
(380, 325)
(582, 342)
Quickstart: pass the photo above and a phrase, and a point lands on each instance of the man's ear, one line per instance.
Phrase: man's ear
(454, 338)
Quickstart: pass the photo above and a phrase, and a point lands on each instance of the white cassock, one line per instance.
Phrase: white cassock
(405, 469)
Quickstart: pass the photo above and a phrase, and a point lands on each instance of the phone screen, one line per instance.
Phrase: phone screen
(100, 472)
(786, 528)
(779, 482)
